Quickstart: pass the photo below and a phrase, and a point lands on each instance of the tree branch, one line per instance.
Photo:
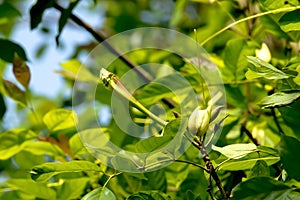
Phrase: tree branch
(249, 134)
(210, 168)
(100, 38)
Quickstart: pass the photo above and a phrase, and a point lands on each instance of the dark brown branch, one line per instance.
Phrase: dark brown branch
(213, 172)
(210, 168)
(249, 134)
(100, 38)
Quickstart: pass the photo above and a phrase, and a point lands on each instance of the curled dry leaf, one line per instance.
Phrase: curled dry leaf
(21, 71)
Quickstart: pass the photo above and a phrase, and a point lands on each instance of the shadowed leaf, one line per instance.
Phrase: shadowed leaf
(14, 92)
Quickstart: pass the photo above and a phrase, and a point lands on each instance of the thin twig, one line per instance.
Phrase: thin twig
(249, 134)
(279, 10)
(276, 121)
(100, 38)
(192, 163)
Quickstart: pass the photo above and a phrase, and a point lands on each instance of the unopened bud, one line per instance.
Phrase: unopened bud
(199, 121)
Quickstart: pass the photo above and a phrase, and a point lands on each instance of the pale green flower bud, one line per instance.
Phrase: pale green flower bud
(199, 121)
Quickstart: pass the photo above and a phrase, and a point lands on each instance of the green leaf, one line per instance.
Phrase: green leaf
(279, 99)
(290, 21)
(178, 12)
(43, 172)
(2, 107)
(153, 143)
(60, 121)
(15, 92)
(100, 194)
(276, 4)
(263, 188)
(37, 11)
(14, 141)
(149, 195)
(38, 190)
(8, 49)
(289, 153)
(7, 14)
(235, 151)
(44, 148)
(133, 182)
(291, 116)
(260, 68)
(65, 14)
(269, 155)
(260, 169)
(75, 70)
(273, 27)
(21, 71)
(72, 188)
(76, 146)
(165, 87)
(234, 59)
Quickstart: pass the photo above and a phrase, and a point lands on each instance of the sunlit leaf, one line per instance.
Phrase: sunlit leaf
(44, 148)
(72, 188)
(30, 187)
(14, 141)
(100, 194)
(275, 4)
(279, 99)
(235, 151)
(290, 21)
(76, 146)
(266, 154)
(260, 68)
(75, 70)
(21, 71)
(43, 172)
(60, 120)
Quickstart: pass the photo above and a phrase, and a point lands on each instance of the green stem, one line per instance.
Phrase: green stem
(109, 78)
(109, 178)
(192, 163)
(279, 10)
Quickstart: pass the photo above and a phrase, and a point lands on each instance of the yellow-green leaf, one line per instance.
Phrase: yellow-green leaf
(43, 172)
(15, 92)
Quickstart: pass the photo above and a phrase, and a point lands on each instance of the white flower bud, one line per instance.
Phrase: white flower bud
(199, 121)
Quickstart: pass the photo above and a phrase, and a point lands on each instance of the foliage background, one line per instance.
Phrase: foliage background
(257, 154)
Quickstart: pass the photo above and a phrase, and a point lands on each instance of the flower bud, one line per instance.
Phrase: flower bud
(199, 121)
